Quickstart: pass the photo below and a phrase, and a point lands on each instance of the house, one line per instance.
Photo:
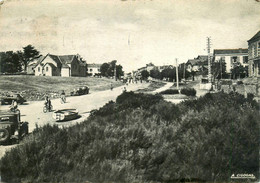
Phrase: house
(61, 65)
(150, 67)
(161, 68)
(32, 64)
(254, 55)
(197, 64)
(93, 69)
(231, 57)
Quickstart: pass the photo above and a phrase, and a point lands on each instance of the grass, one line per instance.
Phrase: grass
(189, 84)
(153, 86)
(34, 87)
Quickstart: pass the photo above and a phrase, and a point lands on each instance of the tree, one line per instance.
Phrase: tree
(155, 73)
(169, 74)
(145, 74)
(29, 53)
(103, 69)
(238, 71)
(108, 69)
(10, 62)
(119, 71)
(218, 70)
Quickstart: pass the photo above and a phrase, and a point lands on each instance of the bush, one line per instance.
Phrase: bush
(240, 82)
(209, 138)
(188, 91)
(170, 91)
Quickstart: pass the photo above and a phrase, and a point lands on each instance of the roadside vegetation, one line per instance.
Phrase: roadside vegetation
(185, 91)
(142, 138)
(36, 87)
(152, 86)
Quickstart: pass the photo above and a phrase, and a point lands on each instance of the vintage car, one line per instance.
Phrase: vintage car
(9, 98)
(80, 91)
(11, 128)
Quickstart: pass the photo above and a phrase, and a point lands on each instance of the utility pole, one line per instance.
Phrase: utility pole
(184, 71)
(221, 68)
(177, 76)
(115, 72)
(209, 62)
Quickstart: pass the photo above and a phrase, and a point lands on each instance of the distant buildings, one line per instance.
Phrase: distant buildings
(254, 55)
(64, 65)
(231, 57)
(197, 64)
(31, 66)
(150, 67)
(93, 69)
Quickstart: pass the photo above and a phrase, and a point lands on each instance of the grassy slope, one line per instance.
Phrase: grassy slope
(153, 86)
(141, 138)
(47, 85)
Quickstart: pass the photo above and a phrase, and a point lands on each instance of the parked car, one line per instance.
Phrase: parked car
(9, 98)
(80, 91)
(11, 128)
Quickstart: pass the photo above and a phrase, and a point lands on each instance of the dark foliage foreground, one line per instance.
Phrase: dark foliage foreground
(142, 138)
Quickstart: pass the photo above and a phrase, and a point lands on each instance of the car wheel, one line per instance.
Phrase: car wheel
(4, 135)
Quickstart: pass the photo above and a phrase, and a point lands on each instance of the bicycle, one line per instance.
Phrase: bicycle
(63, 99)
(47, 109)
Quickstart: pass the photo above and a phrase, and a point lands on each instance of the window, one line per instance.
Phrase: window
(98, 70)
(39, 69)
(90, 70)
(47, 69)
(258, 45)
(245, 59)
(234, 59)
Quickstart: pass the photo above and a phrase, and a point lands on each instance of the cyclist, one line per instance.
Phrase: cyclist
(47, 103)
(63, 97)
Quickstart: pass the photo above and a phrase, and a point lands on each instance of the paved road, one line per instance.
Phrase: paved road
(32, 112)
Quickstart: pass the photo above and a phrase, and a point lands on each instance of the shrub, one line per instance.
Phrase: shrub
(170, 91)
(188, 91)
(240, 82)
(209, 138)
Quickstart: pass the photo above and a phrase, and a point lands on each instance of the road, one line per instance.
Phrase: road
(32, 112)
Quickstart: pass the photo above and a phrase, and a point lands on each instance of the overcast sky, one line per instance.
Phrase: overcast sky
(133, 32)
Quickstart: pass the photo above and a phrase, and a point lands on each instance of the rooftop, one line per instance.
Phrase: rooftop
(231, 51)
(255, 37)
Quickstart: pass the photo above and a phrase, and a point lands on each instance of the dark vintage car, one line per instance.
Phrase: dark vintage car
(9, 98)
(11, 128)
(80, 91)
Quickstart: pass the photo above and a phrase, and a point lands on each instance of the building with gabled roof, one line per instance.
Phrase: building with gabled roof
(254, 55)
(197, 64)
(93, 69)
(61, 65)
(231, 57)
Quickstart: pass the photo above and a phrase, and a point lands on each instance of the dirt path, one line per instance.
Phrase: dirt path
(165, 87)
(32, 111)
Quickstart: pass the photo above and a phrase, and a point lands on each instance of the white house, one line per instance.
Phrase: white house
(65, 66)
(231, 57)
(93, 69)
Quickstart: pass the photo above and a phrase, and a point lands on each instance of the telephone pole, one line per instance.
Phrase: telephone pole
(184, 72)
(209, 62)
(177, 76)
(115, 72)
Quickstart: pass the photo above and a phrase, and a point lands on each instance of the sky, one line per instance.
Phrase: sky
(133, 32)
